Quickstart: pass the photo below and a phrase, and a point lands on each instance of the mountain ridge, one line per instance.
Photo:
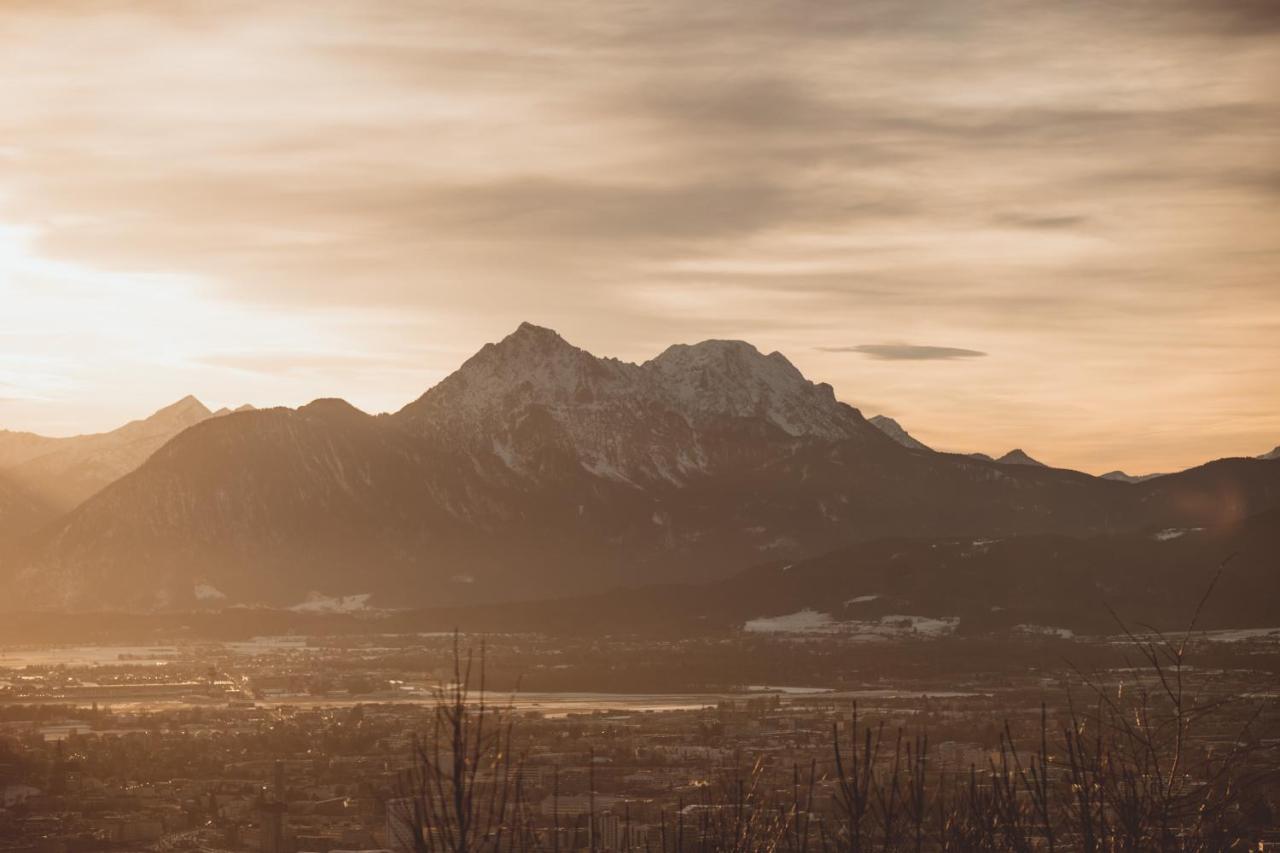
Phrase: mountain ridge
(61, 472)
(614, 414)
(1018, 456)
(895, 430)
(1122, 477)
(539, 469)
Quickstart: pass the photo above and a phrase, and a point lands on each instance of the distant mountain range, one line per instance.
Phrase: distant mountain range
(895, 430)
(1017, 456)
(1122, 477)
(57, 474)
(538, 469)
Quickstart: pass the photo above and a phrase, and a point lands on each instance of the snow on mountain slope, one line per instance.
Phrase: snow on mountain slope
(734, 379)
(533, 397)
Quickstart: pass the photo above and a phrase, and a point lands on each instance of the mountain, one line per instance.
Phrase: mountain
(62, 472)
(894, 430)
(538, 469)
(1122, 477)
(1019, 457)
(535, 401)
(20, 511)
(1037, 584)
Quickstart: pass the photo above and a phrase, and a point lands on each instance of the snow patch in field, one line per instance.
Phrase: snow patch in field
(1241, 635)
(208, 592)
(926, 625)
(1045, 631)
(785, 543)
(810, 621)
(799, 622)
(1174, 533)
(318, 603)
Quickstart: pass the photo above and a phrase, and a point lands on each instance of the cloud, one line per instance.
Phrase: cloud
(1045, 221)
(636, 174)
(908, 352)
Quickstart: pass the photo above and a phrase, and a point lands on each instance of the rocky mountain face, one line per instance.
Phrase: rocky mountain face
(540, 470)
(894, 430)
(535, 398)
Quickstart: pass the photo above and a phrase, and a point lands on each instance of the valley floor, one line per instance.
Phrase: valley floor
(185, 742)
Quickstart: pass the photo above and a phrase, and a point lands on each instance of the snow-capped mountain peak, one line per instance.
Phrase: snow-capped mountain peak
(530, 340)
(621, 420)
(532, 365)
(733, 378)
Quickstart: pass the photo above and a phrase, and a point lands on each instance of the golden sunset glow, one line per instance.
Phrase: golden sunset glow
(270, 202)
(639, 426)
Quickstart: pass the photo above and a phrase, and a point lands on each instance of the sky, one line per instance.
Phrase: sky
(1043, 225)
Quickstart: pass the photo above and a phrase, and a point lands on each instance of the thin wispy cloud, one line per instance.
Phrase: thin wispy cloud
(908, 352)
(1026, 220)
